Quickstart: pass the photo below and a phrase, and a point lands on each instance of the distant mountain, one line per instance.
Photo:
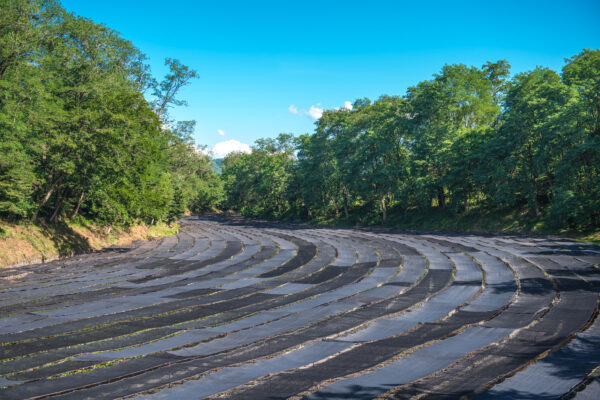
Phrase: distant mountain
(217, 165)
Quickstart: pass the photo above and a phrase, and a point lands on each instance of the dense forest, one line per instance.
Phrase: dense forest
(85, 128)
(470, 140)
(85, 131)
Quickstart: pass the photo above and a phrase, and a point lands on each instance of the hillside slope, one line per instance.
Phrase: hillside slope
(28, 242)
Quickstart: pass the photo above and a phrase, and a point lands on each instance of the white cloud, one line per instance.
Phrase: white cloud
(347, 105)
(221, 149)
(221, 132)
(315, 112)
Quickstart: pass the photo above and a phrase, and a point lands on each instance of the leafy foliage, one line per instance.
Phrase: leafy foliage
(85, 130)
(468, 140)
(77, 135)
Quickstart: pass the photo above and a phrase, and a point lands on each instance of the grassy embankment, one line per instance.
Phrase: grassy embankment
(472, 222)
(28, 242)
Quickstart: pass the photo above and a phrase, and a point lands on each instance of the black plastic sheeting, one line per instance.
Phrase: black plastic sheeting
(416, 365)
(362, 357)
(143, 311)
(591, 391)
(305, 253)
(233, 248)
(324, 275)
(128, 327)
(179, 307)
(552, 376)
(37, 359)
(350, 274)
(194, 293)
(281, 342)
(49, 386)
(567, 316)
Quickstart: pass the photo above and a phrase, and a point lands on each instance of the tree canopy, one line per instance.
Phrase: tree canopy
(471, 138)
(85, 129)
(77, 133)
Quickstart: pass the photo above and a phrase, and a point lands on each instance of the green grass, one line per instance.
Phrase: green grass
(515, 222)
(28, 241)
(163, 230)
(592, 237)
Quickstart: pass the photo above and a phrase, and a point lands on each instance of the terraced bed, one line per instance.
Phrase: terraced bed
(234, 309)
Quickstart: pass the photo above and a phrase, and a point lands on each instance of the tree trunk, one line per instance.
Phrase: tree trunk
(536, 207)
(47, 196)
(441, 197)
(49, 192)
(532, 177)
(57, 205)
(383, 209)
(346, 213)
(78, 204)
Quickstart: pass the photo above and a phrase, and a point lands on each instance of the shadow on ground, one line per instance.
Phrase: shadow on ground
(67, 241)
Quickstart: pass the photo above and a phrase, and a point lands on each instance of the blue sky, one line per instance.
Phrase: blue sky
(257, 58)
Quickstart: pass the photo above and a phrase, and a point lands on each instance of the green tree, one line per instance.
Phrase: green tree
(458, 100)
(582, 72)
(576, 201)
(533, 100)
(77, 135)
(257, 184)
(166, 91)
